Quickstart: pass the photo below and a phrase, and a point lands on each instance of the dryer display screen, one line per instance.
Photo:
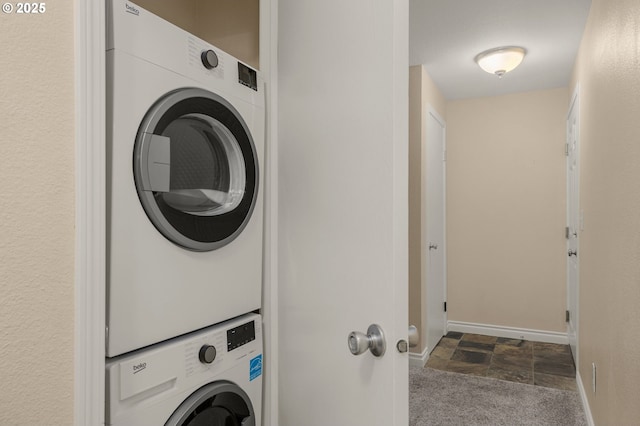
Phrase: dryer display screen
(240, 335)
(247, 76)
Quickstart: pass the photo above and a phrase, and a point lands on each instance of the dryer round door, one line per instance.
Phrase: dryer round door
(216, 404)
(196, 169)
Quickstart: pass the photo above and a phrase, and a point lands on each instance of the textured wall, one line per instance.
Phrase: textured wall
(506, 210)
(607, 71)
(422, 93)
(37, 217)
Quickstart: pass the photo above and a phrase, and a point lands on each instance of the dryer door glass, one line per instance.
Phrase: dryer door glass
(217, 404)
(207, 173)
(196, 169)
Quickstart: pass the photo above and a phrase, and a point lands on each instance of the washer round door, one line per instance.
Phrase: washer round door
(216, 404)
(196, 169)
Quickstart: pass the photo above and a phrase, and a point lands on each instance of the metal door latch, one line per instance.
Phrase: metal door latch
(403, 346)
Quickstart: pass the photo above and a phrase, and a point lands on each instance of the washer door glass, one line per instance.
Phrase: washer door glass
(217, 404)
(195, 169)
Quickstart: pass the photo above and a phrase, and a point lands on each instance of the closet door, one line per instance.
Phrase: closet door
(343, 263)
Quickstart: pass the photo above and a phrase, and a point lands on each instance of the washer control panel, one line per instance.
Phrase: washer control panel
(241, 335)
(183, 364)
(207, 354)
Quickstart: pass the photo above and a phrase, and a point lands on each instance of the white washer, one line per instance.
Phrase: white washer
(210, 377)
(185, 142)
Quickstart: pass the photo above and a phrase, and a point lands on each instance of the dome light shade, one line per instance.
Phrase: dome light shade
(500, 60)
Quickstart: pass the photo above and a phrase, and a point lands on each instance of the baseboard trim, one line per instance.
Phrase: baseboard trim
(418, 359)
(585, 401)
(509, 332)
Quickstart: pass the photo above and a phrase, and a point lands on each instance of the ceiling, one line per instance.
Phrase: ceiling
(445, 36)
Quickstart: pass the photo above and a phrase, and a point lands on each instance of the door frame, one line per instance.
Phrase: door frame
(90, 211)
(90, 253)
(574, 105)
(431, 111)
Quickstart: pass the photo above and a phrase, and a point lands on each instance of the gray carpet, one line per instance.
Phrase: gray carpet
(443, 398)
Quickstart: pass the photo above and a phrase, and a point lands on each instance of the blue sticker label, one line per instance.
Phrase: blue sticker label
(255, 367)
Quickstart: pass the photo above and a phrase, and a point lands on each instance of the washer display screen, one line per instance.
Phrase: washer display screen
(240, 335)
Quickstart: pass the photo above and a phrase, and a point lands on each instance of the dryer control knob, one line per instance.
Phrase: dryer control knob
(209, 59)
(207, 354)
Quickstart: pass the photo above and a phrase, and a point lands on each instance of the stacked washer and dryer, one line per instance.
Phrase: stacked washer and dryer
(185, 143)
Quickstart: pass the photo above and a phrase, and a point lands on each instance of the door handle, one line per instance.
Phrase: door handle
(433, 246)
(373, 340)
(573, 253)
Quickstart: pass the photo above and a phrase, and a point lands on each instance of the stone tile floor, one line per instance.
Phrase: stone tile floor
(535, 363)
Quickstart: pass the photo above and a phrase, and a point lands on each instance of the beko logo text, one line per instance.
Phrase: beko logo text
(138, 368)
(131, 9)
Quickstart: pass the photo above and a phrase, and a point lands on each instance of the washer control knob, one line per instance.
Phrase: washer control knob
(209, 59)
(207, 354)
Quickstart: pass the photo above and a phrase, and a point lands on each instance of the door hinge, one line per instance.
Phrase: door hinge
(567, 316)
(445, 306)
(566, 232)
(566, 149)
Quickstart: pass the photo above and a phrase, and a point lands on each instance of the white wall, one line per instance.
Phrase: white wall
(37, 217)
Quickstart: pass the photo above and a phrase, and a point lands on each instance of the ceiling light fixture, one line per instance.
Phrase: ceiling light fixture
(500, 60)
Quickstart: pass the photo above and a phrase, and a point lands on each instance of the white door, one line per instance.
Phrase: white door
(342, 230)
(573, 222)
(434, 236)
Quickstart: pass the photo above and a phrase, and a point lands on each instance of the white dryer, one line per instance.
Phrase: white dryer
(210, 377)
(185, 143)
